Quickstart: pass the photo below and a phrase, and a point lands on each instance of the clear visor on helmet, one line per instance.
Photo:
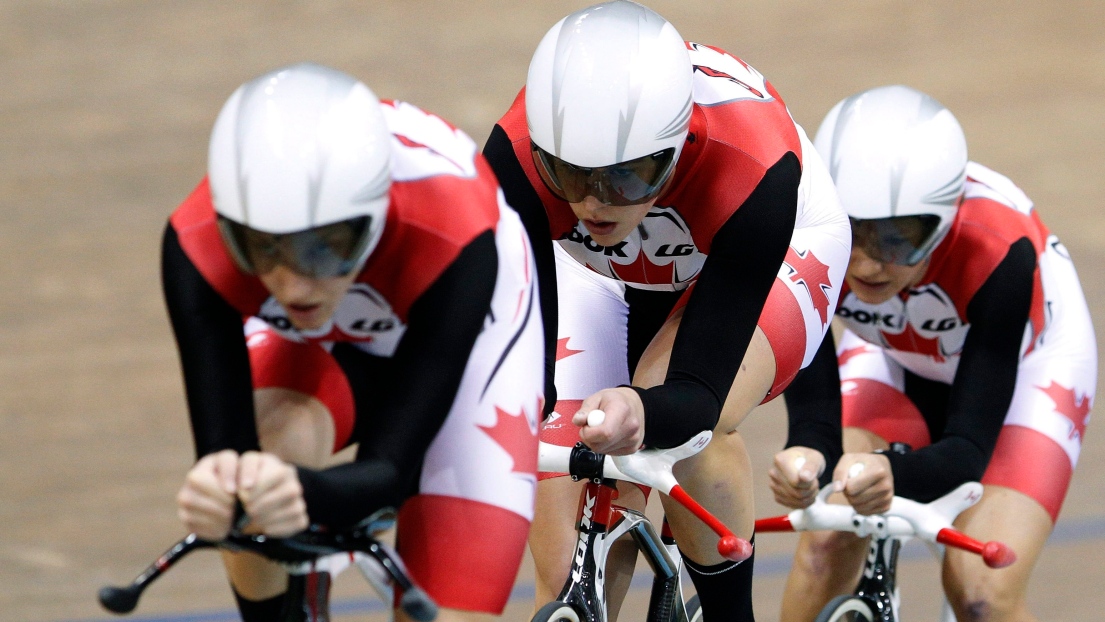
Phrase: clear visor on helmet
(632, 182)
(902, 240)
(321, 252)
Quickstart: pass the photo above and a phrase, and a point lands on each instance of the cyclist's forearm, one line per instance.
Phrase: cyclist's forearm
(422, 384)
(930, 473)
(983, 387)
(722, 313)
(987, 374)
(342, 496)
(814, 407)
(213, 355)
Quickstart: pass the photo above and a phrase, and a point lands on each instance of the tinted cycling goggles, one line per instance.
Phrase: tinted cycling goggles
(321, 252)
(632, 182)
(902, 240)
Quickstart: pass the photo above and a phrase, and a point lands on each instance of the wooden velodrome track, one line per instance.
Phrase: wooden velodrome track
(105, 110)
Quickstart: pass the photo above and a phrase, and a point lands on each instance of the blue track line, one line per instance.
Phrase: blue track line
(1066, 532)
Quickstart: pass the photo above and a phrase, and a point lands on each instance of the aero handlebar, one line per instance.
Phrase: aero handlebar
(931, 522)
(648, 467)
(308, 548)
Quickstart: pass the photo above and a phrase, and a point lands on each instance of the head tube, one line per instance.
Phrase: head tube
(901, 240)
(631, 182)
(328, 251)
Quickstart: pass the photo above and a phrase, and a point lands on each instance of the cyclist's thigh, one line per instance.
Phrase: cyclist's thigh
(873, 399)
(800, 306)
(1046, 420)
(464, 534)
(302, 399)
(592, 331)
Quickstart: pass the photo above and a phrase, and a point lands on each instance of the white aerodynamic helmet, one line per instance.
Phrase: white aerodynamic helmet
(608, 103)
(898, 159)
(299, 166)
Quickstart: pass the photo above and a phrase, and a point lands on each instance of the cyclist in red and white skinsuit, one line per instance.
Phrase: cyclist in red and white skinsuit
(393, 303)
(966, 337)
(696, 234)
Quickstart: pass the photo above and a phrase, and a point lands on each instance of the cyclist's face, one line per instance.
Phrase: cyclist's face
(610, 224)
(875, 282)
(309, 302)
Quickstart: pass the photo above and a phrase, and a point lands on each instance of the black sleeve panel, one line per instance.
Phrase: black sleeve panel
(523, 198)
(213, 355)
(429, 364)
(722, 313)
(813, 407)
(983, 385)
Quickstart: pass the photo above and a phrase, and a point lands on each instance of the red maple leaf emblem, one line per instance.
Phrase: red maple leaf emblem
(850, 353)
(1074, 408)
(642, 270)
(909, 341)
(513, 434)
(562, 349)
(812, 274)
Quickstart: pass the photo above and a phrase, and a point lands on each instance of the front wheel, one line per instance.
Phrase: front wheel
(847, 608)
(556, 611)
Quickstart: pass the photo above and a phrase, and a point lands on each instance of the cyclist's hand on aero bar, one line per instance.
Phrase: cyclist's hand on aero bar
(622, 429)
(866, 481)
(793, 478)
(205, 504)
(271, 495)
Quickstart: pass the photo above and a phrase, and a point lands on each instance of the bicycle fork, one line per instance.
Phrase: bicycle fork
(879, 583)
(600, 524)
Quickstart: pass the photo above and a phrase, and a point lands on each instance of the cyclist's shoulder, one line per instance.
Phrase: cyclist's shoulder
(513, 121)
(197, 235)
(995, 210)
(737, 106)
(985, 183)
(442, 188)
(426, 145)
(195, 210)
(740, 128)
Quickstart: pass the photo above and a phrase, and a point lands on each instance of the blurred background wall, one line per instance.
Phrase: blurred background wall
(105, 111)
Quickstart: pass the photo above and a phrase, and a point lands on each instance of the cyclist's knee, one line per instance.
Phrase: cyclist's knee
(822, 553)
(295, 426)
(987, 601)
(451, 615)
(982, 609)
(255, 578)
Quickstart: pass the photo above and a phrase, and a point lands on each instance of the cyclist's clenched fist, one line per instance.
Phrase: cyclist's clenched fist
(267, 487)
(866, 481)
(271, 494)
(793, 478)
(622, 429)
(205, 504)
